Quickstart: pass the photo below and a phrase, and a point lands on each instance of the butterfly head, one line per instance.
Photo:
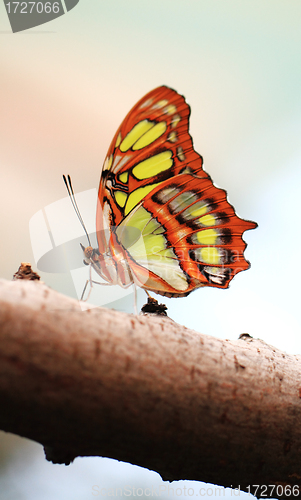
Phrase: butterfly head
(91, 256)
(88, 253)
(103, 264)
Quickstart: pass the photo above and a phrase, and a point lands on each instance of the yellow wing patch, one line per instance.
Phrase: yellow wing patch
(139, 221)
(139, 218)
(160, 104)
(136, 133)
(180, 153)
(210, 255)
(124, 177)
(196, 210)
(151, 249)
(153, 165)
(172, 137)
(136, 196)
(118, 140)
(120, 198)
(207, 220)
(175, 120)
(205, 237)
(170, 109)
(150, 136)
(142, 134)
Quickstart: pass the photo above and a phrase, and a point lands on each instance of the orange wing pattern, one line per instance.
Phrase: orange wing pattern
(161, 223)
(164, 110)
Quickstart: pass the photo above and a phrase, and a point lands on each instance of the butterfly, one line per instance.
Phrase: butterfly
(161, 223)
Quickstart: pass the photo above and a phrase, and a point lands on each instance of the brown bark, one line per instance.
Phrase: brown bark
(146, 390)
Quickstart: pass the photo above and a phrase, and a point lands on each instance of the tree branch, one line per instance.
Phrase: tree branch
(146, 390)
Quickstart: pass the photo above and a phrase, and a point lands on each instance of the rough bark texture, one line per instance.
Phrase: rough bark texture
(146, 390)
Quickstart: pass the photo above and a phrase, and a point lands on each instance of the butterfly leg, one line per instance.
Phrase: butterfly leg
(83, 292)
(135, 300)
(91, 285)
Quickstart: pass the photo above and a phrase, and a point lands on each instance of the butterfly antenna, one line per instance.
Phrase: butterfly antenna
(69, 187)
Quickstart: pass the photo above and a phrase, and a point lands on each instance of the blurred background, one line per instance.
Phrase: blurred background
(65, 87)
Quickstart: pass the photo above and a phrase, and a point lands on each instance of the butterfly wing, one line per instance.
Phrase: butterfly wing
(152, 144)
(160, 211)
(189, 236)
